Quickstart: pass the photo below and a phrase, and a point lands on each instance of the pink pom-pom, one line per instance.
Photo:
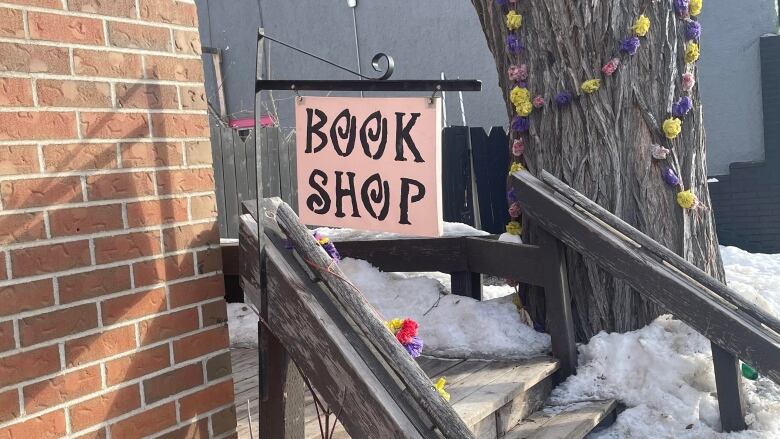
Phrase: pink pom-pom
(523, 72)
(538, 102)
(514, 73)
(611, 66)
(688, 81)
(514, 210)
(518, 146)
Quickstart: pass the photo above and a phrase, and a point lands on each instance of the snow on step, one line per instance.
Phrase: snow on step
(573, 422)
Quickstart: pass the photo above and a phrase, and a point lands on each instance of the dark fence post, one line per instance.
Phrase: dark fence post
(457, 195)
(490, 160)
(731, 400)
(466, 283)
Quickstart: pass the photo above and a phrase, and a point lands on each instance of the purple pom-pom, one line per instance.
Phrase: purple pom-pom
(514, 45)
(511, 195)
(414, 347)
(520, 124)
(693, 30)
(502, 2)
(563, 99)
(670, 177)
(682, 106)
(329, 247)
(681, 7)
(630, 45)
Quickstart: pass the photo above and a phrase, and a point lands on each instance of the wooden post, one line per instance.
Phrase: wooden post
(731, 400)
(281, 408)
(559, 321)
(466, 283)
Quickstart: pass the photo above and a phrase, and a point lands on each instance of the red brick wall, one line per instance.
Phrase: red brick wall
(111, 313)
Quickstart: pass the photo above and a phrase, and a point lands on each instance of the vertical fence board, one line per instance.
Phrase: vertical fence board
(242, 164)
(457, 194)
(284, 167)
(490, 155)
(219, 178)
(251, 164)
(272, 137)
(231, 190)
(289, 137)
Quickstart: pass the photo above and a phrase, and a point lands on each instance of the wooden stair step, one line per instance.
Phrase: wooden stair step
(572, 422)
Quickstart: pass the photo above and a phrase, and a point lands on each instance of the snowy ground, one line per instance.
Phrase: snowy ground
(662, 373)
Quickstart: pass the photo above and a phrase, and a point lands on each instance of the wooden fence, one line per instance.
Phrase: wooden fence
(475, 166)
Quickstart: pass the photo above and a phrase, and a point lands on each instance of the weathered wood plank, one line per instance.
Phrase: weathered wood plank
(241, 162)
(409, 254)
(219, 178)
(689, 302)
(731, 399)
(229, 180)
(281, 414)
(520, 262)
(320, 349)
(466, 283)
(574, 423)
(457, 197)
(354, 304)
(273, 179)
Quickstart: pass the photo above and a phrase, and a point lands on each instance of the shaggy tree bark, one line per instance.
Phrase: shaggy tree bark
(600, 143)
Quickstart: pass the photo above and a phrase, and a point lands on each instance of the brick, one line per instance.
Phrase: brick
(106, 64)
(64, 28)
(153, 96)
(7, 341)
(174, 69)
(218, 366)
(163, 269)
(206, 399)
(18, 160)
(195, 430)
(214, 313)
(147, 154)
(169, 11)
(190, 236)
(173, 382)
(197, 290)
(50, 258)
(3, 267)
(97, 434)
(145, 423)
(128, 246)
(79, 157)
(223, 420)
(11, 23)
(40, 192)
(180, 125)
(186, 42)
(137, 364)
(199, 153)
(57, 324)
(138, 36)
(37, 125)
(48, 426)
(27, 296)
(111, 186)
(187, 180)
(114, 125)
(9, 405)
(193, 98)
(84, 220)
(51, 4)
(204, 207)
(133, 306)
(94, 283)
(97, 346)
(21, 227)
(62, 388)
(104, 407)
(114, 8)
(201, 343)
(166, 326)
(155, 212)
(27, 365)
(14, 92)
(209, 260)
(34, 59)
(66, 93)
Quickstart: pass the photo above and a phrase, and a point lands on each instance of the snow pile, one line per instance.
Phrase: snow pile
(754, 276)
(663, 373)
(242, 325)
(450, 230)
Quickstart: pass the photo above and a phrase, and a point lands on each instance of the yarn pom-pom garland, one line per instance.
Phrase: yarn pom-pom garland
(523, 72)
(514, 228)
(516, 167)
(563, 99)
(519, 95)
(659, 152)
(414, 347)
(672, 127)
(328, 246)
(514, 73)
(405, 331)
(695, 7)
(681, 8)
(514, 45)
(518, 146)
(439, 386)
(611, 66)
(513, 20)
(682, 106)
(692, 53)
(630, 45)
(524, 108)
(641, 26)
(688, 81)
(687, 199)
(591, 86)
(514, 210)
(520, 124)
(692, 30)
(670, 177)
(538, 102)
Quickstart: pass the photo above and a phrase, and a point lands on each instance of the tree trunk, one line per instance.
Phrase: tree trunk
(600, 144)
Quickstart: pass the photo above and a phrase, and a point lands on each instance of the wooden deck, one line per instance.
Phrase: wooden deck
(478, 389)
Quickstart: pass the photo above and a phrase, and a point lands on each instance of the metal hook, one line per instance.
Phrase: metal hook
(433, 96)
(298, 97)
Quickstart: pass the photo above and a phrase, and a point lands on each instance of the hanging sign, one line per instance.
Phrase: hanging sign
(370, 163)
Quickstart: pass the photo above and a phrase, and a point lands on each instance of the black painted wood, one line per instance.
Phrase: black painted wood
(409, 254)
(731, 399)
(490, 161)
(466, 283)
(370, 85)
(457, 195)
(518, 262)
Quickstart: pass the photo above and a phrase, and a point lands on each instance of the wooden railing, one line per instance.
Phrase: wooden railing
(736, 328)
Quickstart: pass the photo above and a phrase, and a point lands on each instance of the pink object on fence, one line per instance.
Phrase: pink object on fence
(265, 120)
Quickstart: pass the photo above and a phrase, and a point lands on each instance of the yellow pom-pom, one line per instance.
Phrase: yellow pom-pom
(695, 7)
(518, 95)
(691, 53)
(672, 127)
(524, 108)
(641, 26)
(516, 167)
(394, 325)
(687, 199)
(324, 240)
(591, 85)
(514, 228)
(514, 20)
(440, 388)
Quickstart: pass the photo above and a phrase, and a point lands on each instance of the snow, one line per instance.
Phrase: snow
(242, 325)
(450, 230)
(754, 276)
